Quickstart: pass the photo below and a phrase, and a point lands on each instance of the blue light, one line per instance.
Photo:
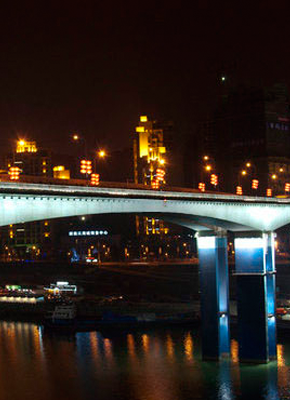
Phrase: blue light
(250, 243)
(206, 242)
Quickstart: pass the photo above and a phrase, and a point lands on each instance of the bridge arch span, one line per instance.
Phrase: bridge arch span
(232, 215)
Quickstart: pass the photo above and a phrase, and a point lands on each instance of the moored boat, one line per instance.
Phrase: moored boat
(62, 317)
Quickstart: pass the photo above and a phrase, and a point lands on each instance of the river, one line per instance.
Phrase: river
(158, 364)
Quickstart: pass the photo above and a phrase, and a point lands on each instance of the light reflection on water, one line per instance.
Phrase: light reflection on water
(153, 365)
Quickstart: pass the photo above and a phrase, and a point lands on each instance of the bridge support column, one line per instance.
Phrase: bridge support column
(255, 271)
(214, 283)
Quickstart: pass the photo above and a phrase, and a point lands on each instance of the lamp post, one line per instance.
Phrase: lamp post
(99, 155)
(78, 138)
(249, 170)
(208, 168)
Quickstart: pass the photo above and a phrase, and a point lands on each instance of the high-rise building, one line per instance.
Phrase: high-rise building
(151, 165)
(149, 154)
(249, 139)
(31, 240)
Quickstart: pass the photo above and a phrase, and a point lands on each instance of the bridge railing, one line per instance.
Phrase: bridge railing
(86, 182)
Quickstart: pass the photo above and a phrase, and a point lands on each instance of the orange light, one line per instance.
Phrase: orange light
(269, 192)
(214, 179)
(155, 184)
(201, 186)
(244, 172)
(208, 167)
(255, 184)
(239, 190)
(160, 173)
(287, 187)
(274, 176)
(102, 153)
(76, 137)
(95, 179)
(14, 173)
(206, 158)
(248, 164)
(86, 167)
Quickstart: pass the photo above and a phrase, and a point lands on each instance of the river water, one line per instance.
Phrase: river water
(160, 364)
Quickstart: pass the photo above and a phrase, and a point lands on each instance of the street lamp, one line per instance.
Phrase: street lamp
(207, 167)
(101, 154)
(77, 138)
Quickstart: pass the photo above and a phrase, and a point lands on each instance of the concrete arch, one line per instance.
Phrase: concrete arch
(225, 211)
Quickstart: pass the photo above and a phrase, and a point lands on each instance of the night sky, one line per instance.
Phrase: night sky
(94, 67)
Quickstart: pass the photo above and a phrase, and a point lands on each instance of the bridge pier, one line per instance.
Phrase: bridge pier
(214, 283)
(255, 271)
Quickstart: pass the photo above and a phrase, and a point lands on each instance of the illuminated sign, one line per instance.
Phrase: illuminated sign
(278, 126)
(87, 233)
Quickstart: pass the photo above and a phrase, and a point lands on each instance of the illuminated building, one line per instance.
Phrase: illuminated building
(23, 146)
(151, 165)
(60, 172)
(30, 241)
(149, 152)
(30, 159)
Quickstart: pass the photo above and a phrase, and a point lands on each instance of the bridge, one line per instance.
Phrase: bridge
(252, 219)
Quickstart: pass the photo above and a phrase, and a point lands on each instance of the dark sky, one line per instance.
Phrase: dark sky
(94, 66)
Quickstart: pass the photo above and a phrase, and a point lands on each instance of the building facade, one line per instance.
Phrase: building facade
(248, 139)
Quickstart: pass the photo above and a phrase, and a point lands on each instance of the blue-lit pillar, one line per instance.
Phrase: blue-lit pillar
(256, 297)
(214, 285)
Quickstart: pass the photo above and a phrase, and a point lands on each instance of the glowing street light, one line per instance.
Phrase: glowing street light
(208, 167)
(102, 153)
(248, 165)
(244, 172)
(162, 161)
(274, 176)
(206, 158)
